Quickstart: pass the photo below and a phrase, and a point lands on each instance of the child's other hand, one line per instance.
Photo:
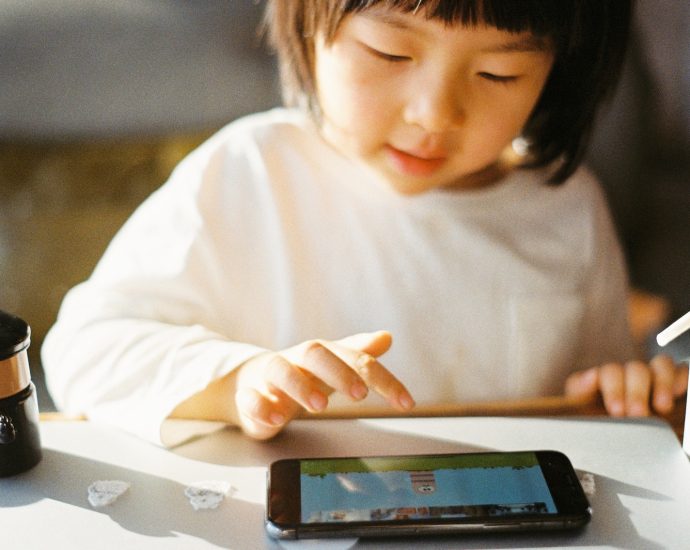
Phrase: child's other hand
(273, 388)
(630, 389)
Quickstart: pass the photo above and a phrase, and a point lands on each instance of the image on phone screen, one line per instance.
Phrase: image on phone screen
(393, 489)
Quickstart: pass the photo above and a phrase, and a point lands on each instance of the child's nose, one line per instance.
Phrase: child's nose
(435, 106)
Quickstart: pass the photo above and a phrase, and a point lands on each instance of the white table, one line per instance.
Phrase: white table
(642, 478)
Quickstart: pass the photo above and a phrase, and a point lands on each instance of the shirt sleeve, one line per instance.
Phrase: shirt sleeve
(141, 335)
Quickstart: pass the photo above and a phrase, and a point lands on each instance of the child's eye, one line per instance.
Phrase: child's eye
(387, 56)
(505, 79)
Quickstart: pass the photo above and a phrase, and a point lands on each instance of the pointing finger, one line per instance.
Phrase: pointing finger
(375, 376)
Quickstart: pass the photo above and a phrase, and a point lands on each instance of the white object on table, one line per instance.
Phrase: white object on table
(673, 331)
(641, 501)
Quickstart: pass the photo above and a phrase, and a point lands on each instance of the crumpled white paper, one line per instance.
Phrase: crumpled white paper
(207, 494)
(320, 544)
(105, 492)
(587, 482)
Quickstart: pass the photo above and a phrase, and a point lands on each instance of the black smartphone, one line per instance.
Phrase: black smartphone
(423, 494)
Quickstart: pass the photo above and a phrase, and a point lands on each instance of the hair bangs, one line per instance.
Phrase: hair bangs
(542, 18)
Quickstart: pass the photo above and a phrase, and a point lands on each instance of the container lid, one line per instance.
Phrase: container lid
(15, 335)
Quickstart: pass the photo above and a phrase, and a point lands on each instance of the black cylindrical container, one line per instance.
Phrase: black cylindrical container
(20, 443)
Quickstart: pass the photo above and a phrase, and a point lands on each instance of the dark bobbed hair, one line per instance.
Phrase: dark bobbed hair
(589, 39)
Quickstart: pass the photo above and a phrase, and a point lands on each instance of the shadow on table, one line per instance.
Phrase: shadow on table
(153, 506)
(313, 438)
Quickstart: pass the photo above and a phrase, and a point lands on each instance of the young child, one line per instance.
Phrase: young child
(276, 265)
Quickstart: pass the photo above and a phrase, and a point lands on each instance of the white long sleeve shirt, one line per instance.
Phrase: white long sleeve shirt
(266, 236)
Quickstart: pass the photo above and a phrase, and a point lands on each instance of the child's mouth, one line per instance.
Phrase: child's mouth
(411, 164)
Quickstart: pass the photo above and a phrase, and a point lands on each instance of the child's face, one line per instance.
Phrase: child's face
(424, 104)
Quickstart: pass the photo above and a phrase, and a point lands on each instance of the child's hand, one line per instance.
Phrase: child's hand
(272, 388)
(629, 389)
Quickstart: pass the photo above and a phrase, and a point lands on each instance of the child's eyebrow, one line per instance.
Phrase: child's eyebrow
(522, 43)
(386, 16)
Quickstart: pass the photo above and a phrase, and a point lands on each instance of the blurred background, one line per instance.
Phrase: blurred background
(100, 99)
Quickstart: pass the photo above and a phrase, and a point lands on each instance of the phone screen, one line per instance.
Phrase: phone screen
(385, 489)
(414, 494)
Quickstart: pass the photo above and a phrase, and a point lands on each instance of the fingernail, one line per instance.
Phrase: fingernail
(317, 401)
(617, 408)
(359, 390)
(277, 419)
(664, 402)
(406, 402)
